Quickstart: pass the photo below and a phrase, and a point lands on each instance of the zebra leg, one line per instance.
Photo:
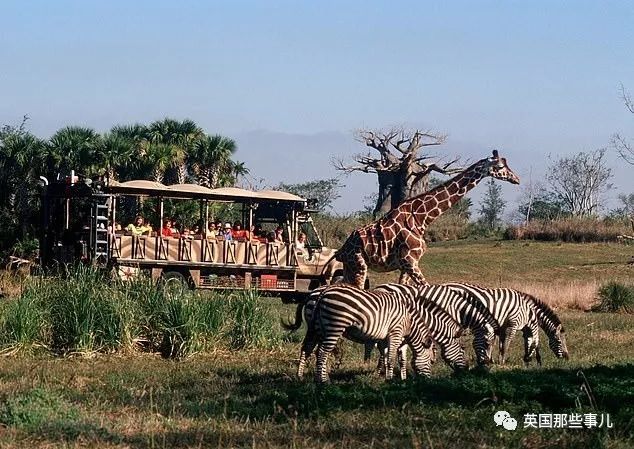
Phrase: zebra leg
(338, 352)
(367, 350)
(394, 341)
(380, 364)
(531, 336)
(402, 361)
(481, 346)
(505, 343)
(308, 345)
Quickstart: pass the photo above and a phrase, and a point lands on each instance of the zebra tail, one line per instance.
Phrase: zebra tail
(292, 327)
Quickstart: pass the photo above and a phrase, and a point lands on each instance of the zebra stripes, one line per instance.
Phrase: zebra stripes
(551, 325)
(362, 316)
(444, 330)
(396, 315)
(464, 310)
(512, 313)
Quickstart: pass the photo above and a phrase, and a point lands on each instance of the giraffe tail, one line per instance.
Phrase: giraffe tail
(292, 327)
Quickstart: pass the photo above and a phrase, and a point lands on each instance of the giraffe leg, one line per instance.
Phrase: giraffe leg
(355, 270)
(409, 267)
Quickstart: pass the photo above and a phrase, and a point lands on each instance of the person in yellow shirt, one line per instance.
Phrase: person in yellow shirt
(139, 227)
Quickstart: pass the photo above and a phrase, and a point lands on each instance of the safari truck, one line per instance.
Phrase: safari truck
(84, 221)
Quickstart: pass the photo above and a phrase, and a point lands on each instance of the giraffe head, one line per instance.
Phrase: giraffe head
(497, 167)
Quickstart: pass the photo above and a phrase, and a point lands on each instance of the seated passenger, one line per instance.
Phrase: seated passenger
(279, 234)
(300, 244)
(238, 233)
(187, 234)
(227, 233)
(139, 227)
(166, 230)
(212, 231)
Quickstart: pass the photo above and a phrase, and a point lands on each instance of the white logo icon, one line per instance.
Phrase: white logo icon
(504, 419)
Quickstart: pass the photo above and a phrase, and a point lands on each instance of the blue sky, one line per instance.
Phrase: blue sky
(291, 81)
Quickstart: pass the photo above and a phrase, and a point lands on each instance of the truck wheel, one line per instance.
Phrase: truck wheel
(174, 283)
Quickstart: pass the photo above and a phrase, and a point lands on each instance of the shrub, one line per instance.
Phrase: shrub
(579, 230)
(615, 297)
(36, 408)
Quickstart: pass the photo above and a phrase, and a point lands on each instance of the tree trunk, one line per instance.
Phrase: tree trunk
(385, 198)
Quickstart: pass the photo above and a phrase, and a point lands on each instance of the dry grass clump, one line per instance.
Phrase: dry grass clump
(580, 230)
(575, 295)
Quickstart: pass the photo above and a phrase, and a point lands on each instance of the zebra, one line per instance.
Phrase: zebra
(361, 315)
(552, 327)
(445, 331)
(514, 311)
(306, 309)
(468, 313)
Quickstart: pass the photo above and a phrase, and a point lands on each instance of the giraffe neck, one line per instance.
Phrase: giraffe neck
(431, 205)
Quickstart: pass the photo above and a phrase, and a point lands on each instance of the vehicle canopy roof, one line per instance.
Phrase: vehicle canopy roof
(230, 194)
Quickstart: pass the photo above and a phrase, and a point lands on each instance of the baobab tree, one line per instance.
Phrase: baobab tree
(402, 168)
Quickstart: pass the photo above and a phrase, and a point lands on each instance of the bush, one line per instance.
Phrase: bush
(36, 408)
(615, 297)
(580, 230)
(448, 227)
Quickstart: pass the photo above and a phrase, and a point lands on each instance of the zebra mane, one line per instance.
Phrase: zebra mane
(544, 310)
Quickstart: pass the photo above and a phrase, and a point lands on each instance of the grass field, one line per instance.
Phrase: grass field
(251, 398)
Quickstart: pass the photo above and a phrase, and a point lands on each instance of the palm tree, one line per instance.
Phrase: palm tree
(212, 159)
(117, 154)
(74, 148)
(182, 135)
(159, 157)
(19, 166)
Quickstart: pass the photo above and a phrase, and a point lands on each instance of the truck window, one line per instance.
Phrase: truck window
(312, 238)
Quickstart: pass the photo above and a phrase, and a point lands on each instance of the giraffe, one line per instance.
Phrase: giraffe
(396, 241)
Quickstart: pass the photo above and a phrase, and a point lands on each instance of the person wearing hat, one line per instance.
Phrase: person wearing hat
(227, 233)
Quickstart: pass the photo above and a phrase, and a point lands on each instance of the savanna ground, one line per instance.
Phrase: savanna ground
(252, 399)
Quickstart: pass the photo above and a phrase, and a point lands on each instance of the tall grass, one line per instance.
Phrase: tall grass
(86, 312)
(579, 230)
(21, 325)
(251, 322)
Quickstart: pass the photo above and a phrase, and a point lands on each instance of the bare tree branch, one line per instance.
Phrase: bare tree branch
(625, 95)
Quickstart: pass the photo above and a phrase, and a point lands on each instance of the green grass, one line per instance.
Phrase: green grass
(223, 397)
(250, 398)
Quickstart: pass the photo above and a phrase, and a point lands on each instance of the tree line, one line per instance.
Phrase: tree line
(167, 151)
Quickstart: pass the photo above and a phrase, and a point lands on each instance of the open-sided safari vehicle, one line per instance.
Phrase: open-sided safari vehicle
(81, 224)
